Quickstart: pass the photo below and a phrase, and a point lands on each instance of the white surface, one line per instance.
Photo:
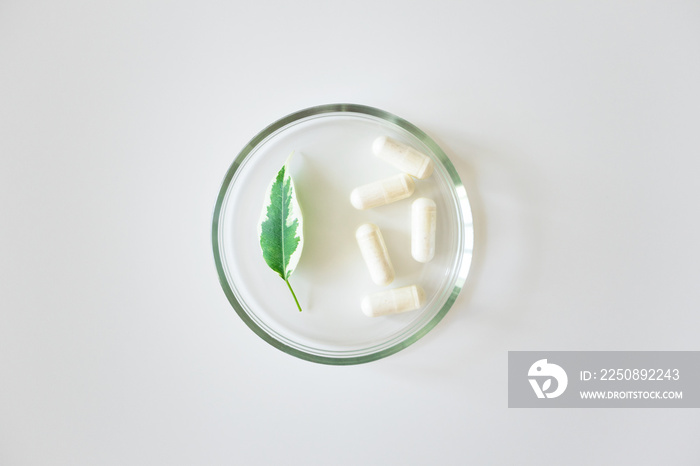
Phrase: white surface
(575, 125)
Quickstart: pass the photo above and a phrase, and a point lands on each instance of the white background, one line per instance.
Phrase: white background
(574, 125)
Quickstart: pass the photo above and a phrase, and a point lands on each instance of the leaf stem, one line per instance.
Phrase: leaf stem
(295, 296)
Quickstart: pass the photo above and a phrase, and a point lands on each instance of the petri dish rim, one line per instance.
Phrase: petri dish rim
(463, 212)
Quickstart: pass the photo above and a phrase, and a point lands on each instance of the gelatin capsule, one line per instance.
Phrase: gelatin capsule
(404, 299)
(403, 157)
(374, 252)
(423, 224)
(382, 192)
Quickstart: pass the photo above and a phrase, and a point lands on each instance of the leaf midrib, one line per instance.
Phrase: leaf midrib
(283, 224)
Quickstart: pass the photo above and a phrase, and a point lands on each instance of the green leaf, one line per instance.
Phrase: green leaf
(281, 227)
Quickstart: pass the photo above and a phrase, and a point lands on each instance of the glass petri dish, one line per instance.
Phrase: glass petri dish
(332, 147)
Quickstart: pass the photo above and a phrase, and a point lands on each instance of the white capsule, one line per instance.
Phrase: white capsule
(403, 157)
(382, 192)
(407, 298)
(423, 224)
(374, 252)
